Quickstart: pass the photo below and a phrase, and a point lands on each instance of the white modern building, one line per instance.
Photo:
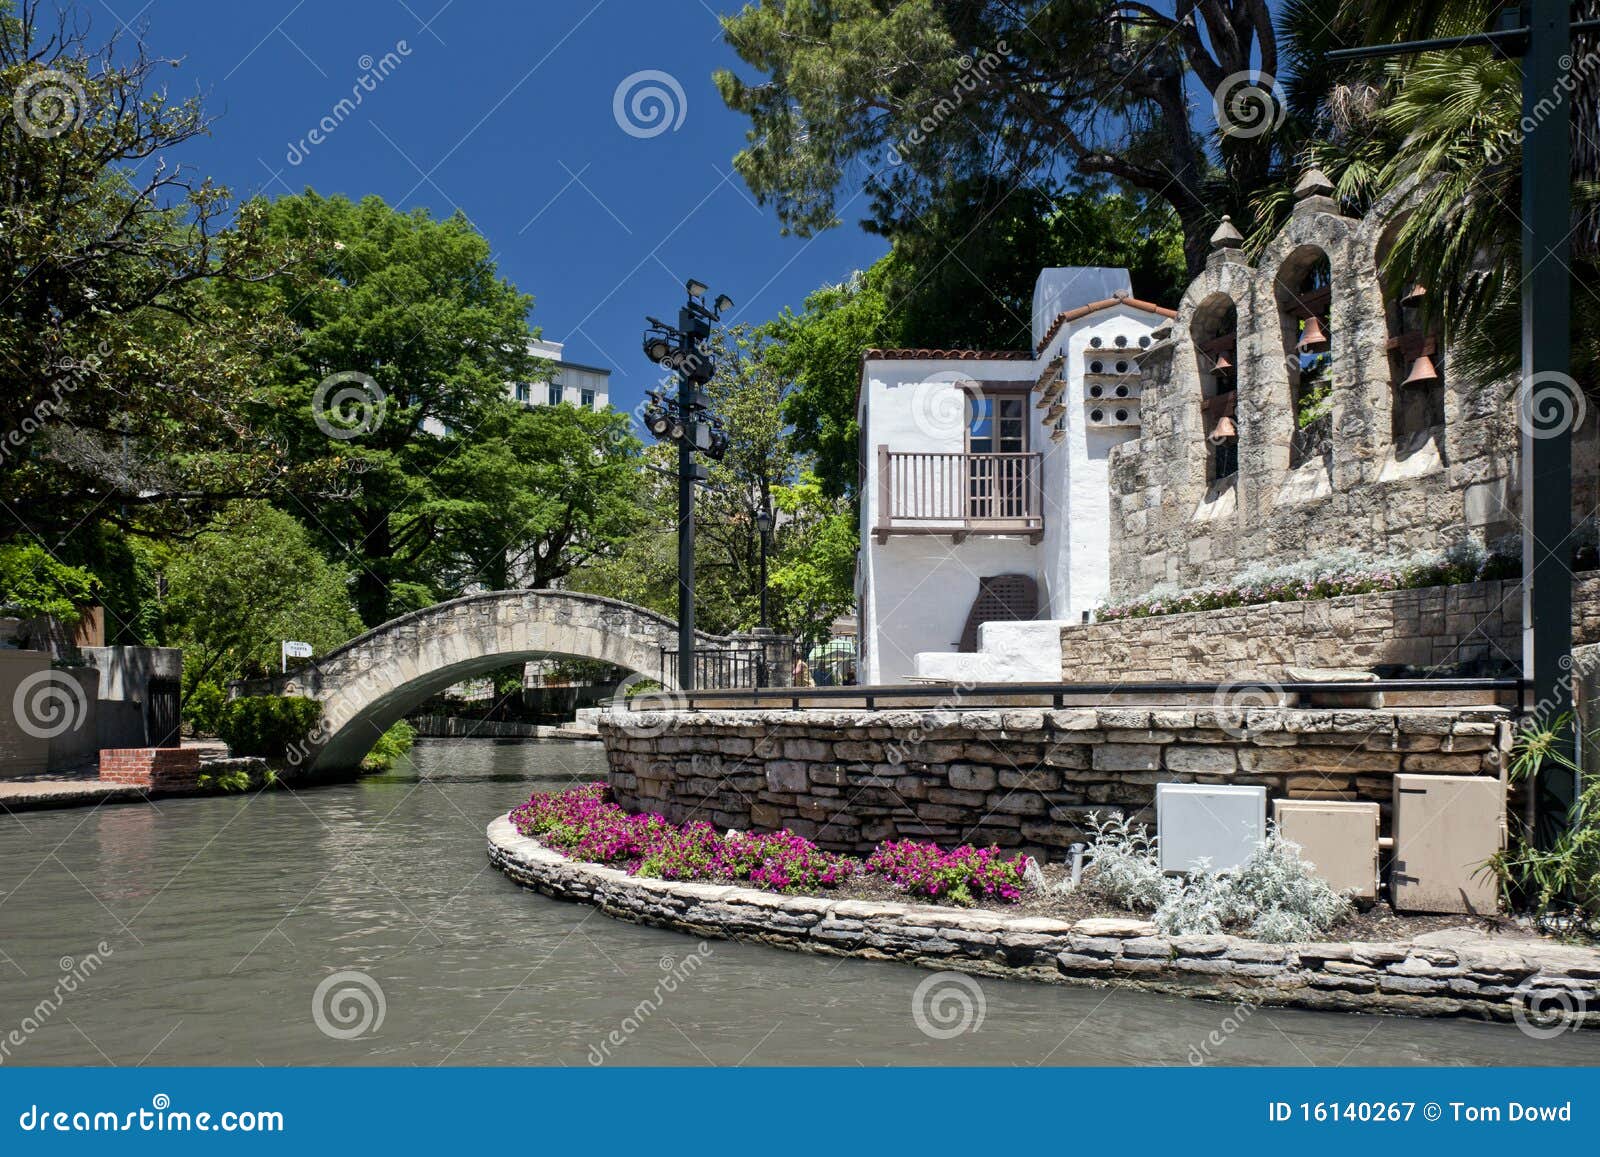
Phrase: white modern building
(985, 503)
(570, 383)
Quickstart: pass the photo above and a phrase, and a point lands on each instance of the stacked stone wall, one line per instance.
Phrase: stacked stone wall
(1468, 629)
(1378, 490)
(1487, 980)
(1019, 778)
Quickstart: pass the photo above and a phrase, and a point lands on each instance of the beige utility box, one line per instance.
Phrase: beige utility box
(1339, 839)
(1445, 828)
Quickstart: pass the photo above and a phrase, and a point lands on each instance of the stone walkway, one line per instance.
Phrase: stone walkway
(80, 787)
(63, 789)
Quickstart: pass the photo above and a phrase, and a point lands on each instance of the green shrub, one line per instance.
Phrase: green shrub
(32, 583)
(203, 708)
(237, 779)
(391, 745)
(1554, 874)
(267, 725)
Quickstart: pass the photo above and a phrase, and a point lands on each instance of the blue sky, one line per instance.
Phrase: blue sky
(505, 111)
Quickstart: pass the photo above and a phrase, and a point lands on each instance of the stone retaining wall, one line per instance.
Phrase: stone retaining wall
(1020, 778)
(1471, 628)
(1491, 981)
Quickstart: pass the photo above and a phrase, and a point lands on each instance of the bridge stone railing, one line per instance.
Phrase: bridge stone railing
(370, 682)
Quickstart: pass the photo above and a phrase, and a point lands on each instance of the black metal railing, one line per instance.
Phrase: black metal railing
(1240, 695)
(720, 669)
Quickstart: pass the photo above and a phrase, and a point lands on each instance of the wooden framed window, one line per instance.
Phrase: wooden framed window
(997, 429)
(998, 422)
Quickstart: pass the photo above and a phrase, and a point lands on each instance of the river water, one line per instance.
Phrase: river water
(220, 918)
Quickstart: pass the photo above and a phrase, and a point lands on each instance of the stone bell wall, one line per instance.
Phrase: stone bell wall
(1019, 778)
(1467, 629)
(1373, 491)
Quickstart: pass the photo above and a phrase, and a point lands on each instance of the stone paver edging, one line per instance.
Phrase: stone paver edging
(1442, 974)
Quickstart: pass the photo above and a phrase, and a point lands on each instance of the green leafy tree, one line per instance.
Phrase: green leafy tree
(962, 278)
(407, 337)
(814, 572)
(748, 393)
(962, 275)
(535, 492)
(124, 382)
(911, 95)
(819, 350)
(249, 581)
(33, 582)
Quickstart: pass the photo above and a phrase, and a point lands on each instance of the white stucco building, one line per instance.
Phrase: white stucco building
(570, 383)
(992, 465)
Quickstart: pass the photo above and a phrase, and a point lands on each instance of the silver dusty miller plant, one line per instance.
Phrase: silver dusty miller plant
(1274, 896)
(1122, 864)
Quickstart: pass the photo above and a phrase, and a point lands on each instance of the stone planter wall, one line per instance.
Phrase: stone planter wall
(1472, 627)
(1020, 778)
(1492, 981)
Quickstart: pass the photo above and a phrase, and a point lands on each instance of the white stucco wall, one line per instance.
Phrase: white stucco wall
(917, 590)
(921, 589)
(1075, 552)
(1007, 653)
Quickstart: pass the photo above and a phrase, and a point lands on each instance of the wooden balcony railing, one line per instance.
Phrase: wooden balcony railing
(958, 494)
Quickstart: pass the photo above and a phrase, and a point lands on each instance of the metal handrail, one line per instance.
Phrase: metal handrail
(973, 695)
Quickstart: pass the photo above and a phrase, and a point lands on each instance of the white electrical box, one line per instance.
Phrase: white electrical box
(1338, 839)
(1445, 829)
(1198, 821)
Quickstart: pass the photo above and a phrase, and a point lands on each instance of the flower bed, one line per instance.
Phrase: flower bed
(584, 824)
(959, 876)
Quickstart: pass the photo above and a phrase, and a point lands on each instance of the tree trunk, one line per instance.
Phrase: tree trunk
(372, 593)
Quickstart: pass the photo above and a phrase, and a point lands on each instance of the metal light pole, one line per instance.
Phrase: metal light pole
(686, 481)
(692, 428)
(764, 526)
(1541, 34)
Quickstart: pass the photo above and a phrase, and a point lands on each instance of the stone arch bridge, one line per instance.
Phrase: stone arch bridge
(372, 681)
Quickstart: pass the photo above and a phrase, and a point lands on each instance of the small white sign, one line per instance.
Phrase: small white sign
(293, 650)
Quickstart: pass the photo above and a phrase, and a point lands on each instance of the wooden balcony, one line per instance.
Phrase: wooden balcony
(958, 495)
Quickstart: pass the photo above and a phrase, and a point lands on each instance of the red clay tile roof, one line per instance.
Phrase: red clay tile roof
(1095, 307)
(949, 355)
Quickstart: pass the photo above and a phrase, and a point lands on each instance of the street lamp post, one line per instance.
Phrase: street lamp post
(764, 525)
(687, 421)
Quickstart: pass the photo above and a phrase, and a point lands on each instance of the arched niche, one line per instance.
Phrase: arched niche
(1303, 289)
(1214, 332)
(1415, 354)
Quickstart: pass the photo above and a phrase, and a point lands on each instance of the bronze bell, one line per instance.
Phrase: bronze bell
(1223, 365)
(1414, 294)
(1313, 339)
(1225, 428)
(1423, 372)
